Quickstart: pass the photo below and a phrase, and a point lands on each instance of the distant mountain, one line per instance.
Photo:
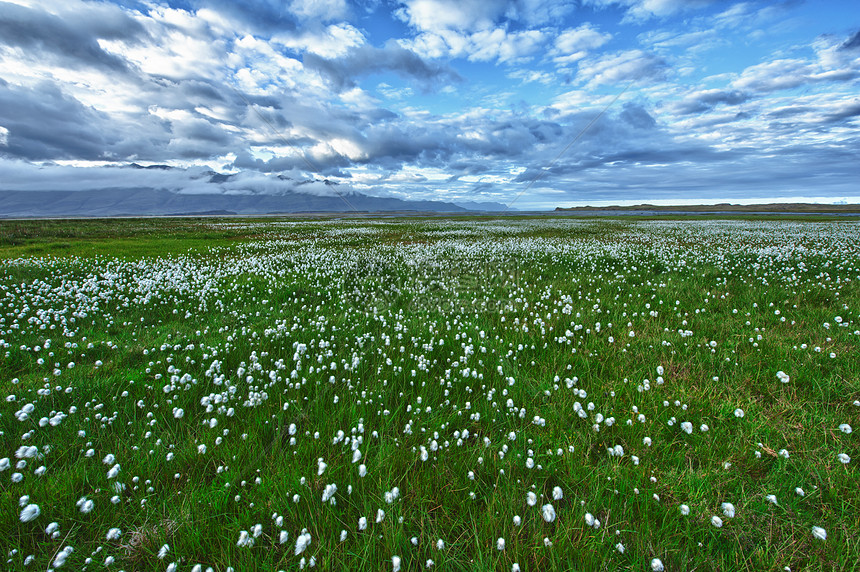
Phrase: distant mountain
(483, 206)
(724, 208)
(149, 202)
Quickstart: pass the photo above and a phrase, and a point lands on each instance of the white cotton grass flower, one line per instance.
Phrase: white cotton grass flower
(362, 523)
(62, 556)
(845, 428)
(328, 493)
(687, 427)
(819, 533)
(30, 512)
(85, 505)
(557, 494)
(162, 552)
(739, 412)
(362, 470)
(685, 509)
(500, 544)
(548, 513)
(303, 541)
(657, 565)
(113, 534)
(799, 492)
(343, 535)
(283, 536)
(515, 567)
(620, 548)
(440, 544)
(517, 520)
(771, 499)
(728, 509)
(4, 464)
(843, 458)
(782, 376)
(245, 540)
(395, 564)
(114, 471)
(531, 498)
(380, 515)
(589, 519)
(716, 521)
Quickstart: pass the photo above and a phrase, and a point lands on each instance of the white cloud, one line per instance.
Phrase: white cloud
(496, 44)
(323, 10)
(644, 9)
(392, 92)
(357, 98)
(579, 100)
(574, 44)
(774, 75)
(260, 69)
(621, 67)
(180, 45)
(441, 15)
(472, 15)
(4, 136)
(332, 42)
(532, 76)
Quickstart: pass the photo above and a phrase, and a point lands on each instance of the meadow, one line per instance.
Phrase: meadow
(436, 394)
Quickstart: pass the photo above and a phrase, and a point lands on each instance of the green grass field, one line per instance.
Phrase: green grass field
(464, 394)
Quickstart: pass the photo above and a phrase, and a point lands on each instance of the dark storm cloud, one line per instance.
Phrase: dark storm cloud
(71, 39)
(295, 159)
(704, 101)
(45, 123)
(789, 111)
(196, 89)
(365, 60)
(636, 115)
(852, 43)
(848, 111)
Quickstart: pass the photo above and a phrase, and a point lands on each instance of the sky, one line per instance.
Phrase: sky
(528, 103)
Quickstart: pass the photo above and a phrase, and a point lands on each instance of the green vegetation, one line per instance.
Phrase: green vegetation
(216, 390)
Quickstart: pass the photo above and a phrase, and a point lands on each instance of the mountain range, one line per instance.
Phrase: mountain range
(149, 201)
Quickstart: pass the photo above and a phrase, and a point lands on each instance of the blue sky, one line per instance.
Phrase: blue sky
(465, 100)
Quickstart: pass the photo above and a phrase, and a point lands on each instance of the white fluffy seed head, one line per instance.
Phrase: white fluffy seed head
(716, 521)
(30, 512)
(548, 512)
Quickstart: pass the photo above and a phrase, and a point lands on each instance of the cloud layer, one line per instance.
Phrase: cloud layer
(453, 100)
